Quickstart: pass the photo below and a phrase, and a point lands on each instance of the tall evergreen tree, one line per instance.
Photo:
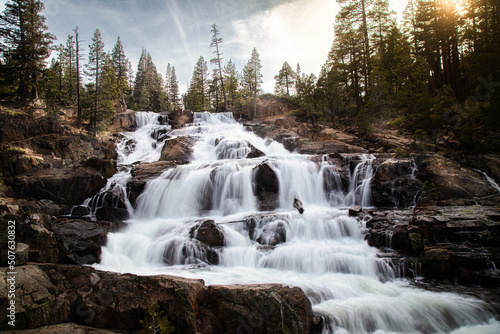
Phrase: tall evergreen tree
(173, 94)
(121, 65)
(26, 45)
(285, 80)
(252, 78)
(149, 90)
(196, 98)
(216, 41)
(94, 69)
(231, 82)
(78, 78)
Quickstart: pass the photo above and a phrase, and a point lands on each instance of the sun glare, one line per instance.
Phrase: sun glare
(456, 4)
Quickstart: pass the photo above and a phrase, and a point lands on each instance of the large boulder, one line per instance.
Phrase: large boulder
(52, 294)
(266, 187)
(143, 173)
(36, 234)
(178, 149)
(269, 308)
(66, 185)
(446, 179)
(80, 241)
(209, 233)
(394, 184)
(461, 263)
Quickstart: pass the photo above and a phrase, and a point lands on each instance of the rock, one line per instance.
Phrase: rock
(67, 185)
(297, 204)
(106, 166)
(256, 309)
(209, 233)
(22, 253)
(80, 211)
(39, 301)
(272, 234)
(178, 149)
(67, 328)
(20, 257)
(142, 174)
(464, 264)
(355, 210)
(80, 241)
(254, 152)
(41, 241)
(394, 183)
(125, 120)
(112, 214)
(447, 179)
(266, 187)
(51, 294)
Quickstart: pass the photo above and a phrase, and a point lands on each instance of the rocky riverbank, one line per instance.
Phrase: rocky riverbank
(437, 216)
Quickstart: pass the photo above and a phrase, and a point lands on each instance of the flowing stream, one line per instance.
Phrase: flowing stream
(322, 250)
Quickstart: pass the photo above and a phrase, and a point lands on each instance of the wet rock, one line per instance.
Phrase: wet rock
(80, 241)
(272, 234)
(80, 211)
(254, 152)
(355, 210)
(112, 214)
(297, 204)
(209, 233)
(394, 184)
(266, 187)
(178, 149)
(143, 173)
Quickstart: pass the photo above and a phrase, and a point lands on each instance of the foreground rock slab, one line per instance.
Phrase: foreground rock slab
(50, 294)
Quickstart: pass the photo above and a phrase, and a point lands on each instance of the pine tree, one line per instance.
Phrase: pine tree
(78, 78)
(173, 96)
(168, 79)
(215, 90)
(149, 91)
(94, 69)
(231, 82)
(252, 78)
(216, 41)
(25, 46)
(196, 98)
(285, 80)
(121, 66)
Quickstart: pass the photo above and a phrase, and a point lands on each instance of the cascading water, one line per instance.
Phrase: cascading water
(322, 250)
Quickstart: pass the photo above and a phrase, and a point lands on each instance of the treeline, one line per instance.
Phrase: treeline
(225, 89)
(437, 74)
(97, 84)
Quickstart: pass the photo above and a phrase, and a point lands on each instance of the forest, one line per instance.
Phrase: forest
(433, 74)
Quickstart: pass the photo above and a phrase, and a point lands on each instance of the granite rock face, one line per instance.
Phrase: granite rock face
(50, 294)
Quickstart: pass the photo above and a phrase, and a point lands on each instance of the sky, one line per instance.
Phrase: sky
(178, 31)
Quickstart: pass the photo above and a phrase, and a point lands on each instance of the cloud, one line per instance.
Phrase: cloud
(297, 32)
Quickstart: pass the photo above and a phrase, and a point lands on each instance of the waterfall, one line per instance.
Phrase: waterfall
(138, 146)
(244, 188)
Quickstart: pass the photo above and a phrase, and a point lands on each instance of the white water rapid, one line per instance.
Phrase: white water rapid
(322, 251)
